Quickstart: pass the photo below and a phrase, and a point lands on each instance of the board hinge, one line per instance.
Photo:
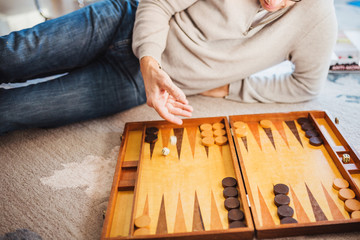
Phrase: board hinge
(232, 132)
(247, 197)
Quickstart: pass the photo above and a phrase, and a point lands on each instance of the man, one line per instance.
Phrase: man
(185, 47)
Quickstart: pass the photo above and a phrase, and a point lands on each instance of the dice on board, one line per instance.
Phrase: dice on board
(165, 151)
(346, 158)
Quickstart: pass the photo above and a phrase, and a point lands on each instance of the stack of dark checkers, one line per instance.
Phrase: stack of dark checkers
(281, 200)
(151, 134)
(310, 131)
(232, 203)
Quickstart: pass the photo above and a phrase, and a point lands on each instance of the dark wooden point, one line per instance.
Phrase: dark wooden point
(235, 215)
(307, 127)
(229, 182)
(285, 211)
(316, 141)
(151, 138)
(281, 188)
(230, 192)
(231, 203)
(303, 120)
(152, 131)
(281, 199)
(237, 224)
(311, 133)
(287, 220)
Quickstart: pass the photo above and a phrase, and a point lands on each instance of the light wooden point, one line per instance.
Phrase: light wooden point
(239, 125)
(216, 126)
(221, 140)
(241, 132)
(207, 133)
(340, 183)
(355, 215)
(219, 132)
(352, 205)
(346, 193)
(205, 126)
(265, 123)
(208, 141)
(142, 221)
(141, 231)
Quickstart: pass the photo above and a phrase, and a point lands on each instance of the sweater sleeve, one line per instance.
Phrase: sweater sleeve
(152, 25)
(311, 57)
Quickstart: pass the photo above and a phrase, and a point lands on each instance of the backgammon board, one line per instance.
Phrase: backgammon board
(269, 175)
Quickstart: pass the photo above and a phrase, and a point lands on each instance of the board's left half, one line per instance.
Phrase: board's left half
(169, 182)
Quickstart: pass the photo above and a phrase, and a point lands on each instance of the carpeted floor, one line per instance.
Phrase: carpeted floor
(56, 182)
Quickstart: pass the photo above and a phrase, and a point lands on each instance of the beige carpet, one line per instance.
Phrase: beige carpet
(56, 182)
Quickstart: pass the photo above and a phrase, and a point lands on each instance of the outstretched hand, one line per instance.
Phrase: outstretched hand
(162, 94)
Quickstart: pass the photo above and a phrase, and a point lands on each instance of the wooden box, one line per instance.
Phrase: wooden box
(182, 193)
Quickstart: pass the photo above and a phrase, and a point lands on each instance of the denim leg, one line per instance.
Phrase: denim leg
(110, 83)
(62, 44)
(114, 87)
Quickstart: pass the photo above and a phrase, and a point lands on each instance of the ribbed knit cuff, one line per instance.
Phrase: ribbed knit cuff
(150, 49)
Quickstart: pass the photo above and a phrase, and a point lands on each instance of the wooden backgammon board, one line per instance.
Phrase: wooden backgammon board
(269, 175)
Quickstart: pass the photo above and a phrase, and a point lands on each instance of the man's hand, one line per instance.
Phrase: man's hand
(219, 92)
(162, 94)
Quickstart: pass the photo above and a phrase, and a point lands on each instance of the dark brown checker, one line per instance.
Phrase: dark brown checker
(281, 199)
(288, 220)
(237, 224)
(152, 131)
(230, 192)
(303, 120)
(229, 182)
(281, 188)
(151, 138)
(231, 203)
(311, 133)
(316, 141)
(307, 126)
(285, 211)
(235, 215)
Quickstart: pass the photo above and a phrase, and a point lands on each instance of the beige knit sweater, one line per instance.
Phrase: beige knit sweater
(204, 44)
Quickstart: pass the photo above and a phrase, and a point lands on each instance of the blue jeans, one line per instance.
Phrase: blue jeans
(93, 45)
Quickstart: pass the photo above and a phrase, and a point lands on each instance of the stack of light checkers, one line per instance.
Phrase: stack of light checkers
(240, 129)
(347, 195)
(142, 224)
(282, 201)
(151, 134)
(310, 131)
(232, 203)
(213, 134)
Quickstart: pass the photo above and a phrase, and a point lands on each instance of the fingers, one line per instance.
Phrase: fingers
(172, 109)
(165, 114)
(174, 91)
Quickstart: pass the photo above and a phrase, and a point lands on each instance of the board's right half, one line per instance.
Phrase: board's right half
(280, 150)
